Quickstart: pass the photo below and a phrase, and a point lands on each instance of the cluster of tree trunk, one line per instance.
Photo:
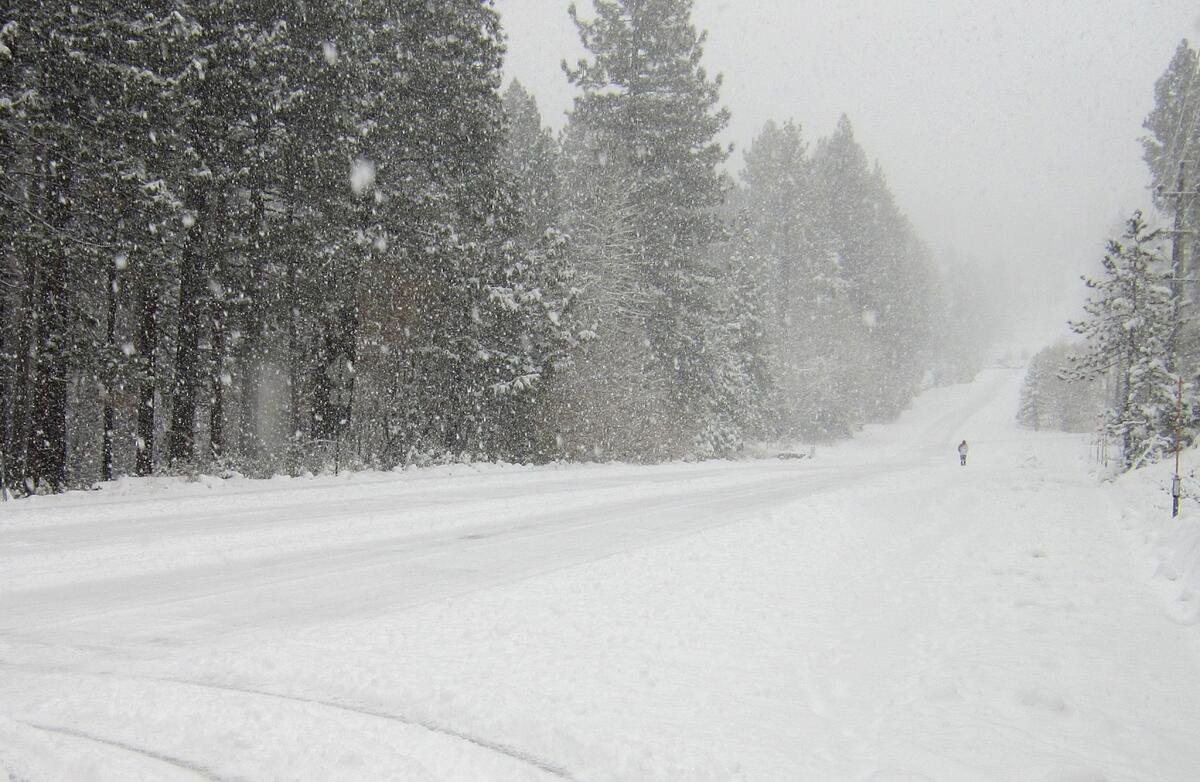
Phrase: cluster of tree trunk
(261, 236)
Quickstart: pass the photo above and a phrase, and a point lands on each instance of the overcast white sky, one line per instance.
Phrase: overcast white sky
(1008, 130)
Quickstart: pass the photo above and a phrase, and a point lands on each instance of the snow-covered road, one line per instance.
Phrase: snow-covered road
(878, 613)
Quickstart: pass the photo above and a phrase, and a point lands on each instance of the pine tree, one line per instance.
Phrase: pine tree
(42, 173)
(788, 222)
(1031, 407)
(848, 189)
(531, 160)
(1128, 333)
(1172, 152)
(887, 279)
(1174, 123)
(82, 177)
(746, 356)
(458, 312)
(645, 125)
(609, 404)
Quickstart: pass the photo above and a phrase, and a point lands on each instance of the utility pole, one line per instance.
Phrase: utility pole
(1177, 255)
(1175, 479)
(1177, 327)
(1175, 352)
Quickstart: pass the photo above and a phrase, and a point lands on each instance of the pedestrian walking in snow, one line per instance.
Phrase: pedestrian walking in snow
(962, 453)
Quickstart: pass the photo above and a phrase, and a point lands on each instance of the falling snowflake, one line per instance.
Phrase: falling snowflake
(362, 176)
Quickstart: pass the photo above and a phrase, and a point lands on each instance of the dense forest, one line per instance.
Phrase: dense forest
(1141, 336)
(257, 237)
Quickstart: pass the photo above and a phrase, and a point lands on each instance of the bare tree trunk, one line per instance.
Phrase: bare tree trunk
(48, 435)
(23, 381)
(216, 412)
(251, 364)
(110, 422)
(295, 359)
(8, 377)
(147, 345)
(193, 289)
(218, 316)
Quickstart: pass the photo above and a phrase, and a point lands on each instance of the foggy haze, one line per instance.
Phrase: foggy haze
(1009, 133)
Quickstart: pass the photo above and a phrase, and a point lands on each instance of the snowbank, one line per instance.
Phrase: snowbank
(1172, 544)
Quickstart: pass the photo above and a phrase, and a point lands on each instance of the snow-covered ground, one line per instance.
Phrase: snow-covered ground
(878, 613)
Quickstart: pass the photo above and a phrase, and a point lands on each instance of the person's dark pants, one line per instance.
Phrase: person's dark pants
(962, 459)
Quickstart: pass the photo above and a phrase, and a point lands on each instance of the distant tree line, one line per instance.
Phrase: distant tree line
(239, 235)
(1051, 401)
(1140, 327)
(847, 287)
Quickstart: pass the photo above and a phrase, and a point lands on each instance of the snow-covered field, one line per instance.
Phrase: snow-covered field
(878, 613)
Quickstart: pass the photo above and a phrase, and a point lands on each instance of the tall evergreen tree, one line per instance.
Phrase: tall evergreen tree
(1174, 123)
(644, 127)
(1172, 152)
(1130, 320)
(532, 162)
(82, 177)
(746, 357)
(1032, 405)
(887, 279)
(468, 321)
(788, 222)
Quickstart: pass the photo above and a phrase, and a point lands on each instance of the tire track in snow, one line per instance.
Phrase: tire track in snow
(492, 746)
(186, 765)
(486, 744)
